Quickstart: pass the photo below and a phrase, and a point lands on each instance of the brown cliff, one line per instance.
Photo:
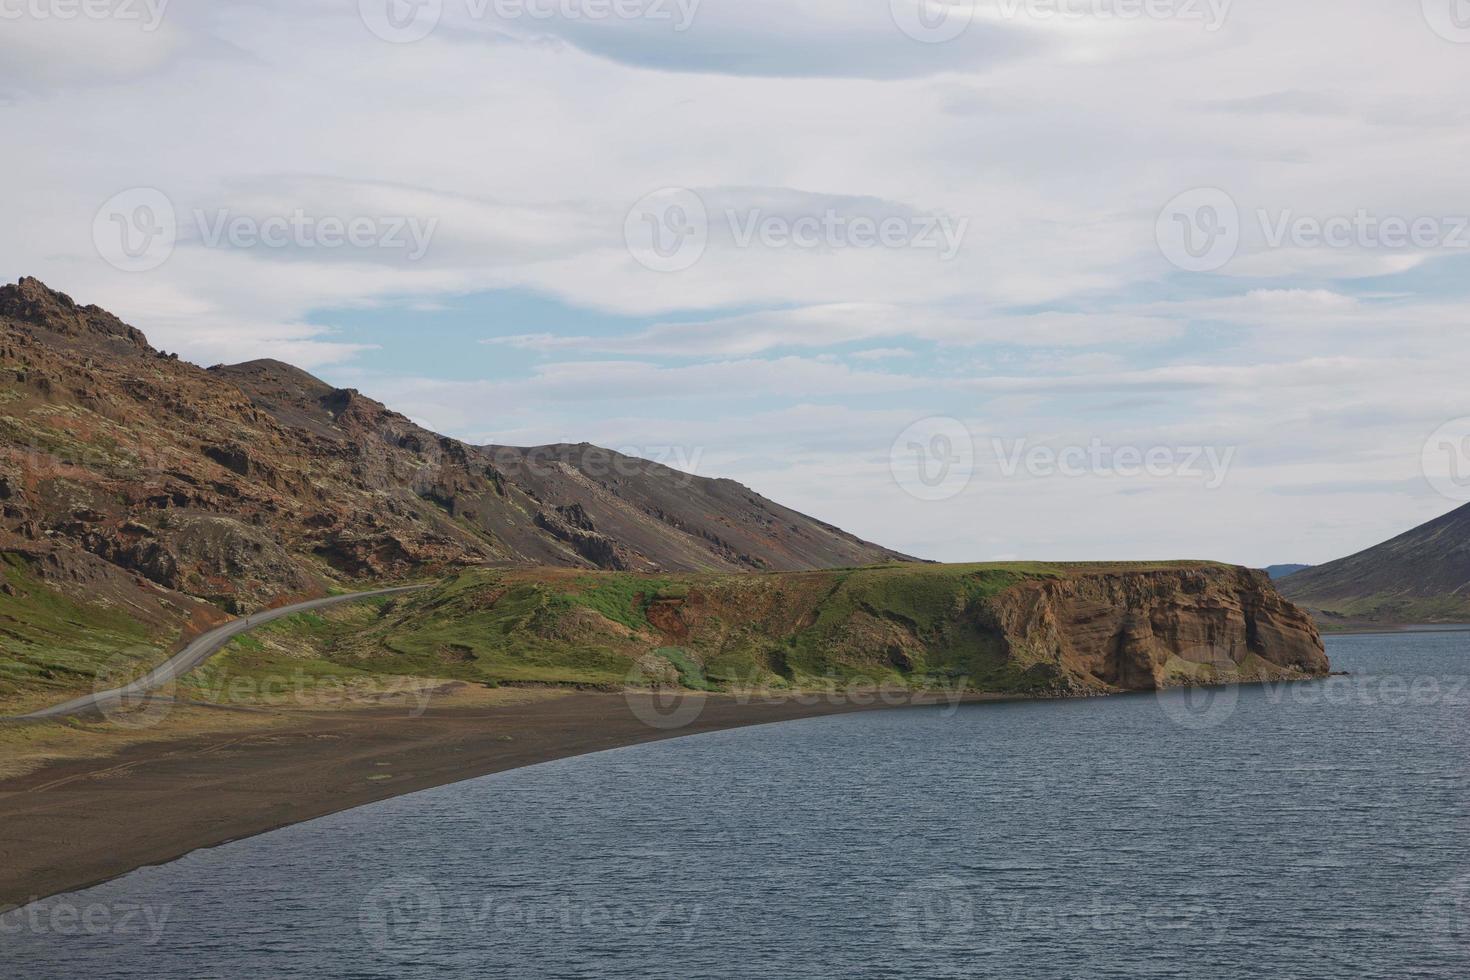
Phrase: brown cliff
(1048, 630)
(1122, 630)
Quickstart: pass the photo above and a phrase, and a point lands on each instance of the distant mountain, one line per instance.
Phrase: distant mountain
(1422, 576)
(1278, 572)
(248, 483)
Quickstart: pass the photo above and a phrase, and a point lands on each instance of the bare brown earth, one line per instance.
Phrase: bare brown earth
(211, 776)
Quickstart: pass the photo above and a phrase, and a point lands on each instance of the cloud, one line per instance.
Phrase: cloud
(752, 38)
(843, 323)
(529, 142)
(66, 46)
(881, 354)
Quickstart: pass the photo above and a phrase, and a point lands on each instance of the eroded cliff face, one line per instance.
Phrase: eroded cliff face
(1023, 628)
(1116, 630)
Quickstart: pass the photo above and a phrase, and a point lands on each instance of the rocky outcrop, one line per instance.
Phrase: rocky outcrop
(1040, 630)
(30, 301)
(1121, 630)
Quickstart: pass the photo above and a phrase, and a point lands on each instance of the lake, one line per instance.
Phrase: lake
(1315, 830)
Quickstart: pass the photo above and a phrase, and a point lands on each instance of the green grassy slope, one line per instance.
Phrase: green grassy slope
(53, 647)
(902, 625)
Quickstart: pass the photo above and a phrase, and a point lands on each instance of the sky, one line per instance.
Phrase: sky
(975, 279)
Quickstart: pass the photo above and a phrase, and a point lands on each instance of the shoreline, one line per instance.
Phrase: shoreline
(1390, 630)
(79, 822)
(95, 816)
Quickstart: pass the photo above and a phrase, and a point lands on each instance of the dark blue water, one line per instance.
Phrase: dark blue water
(1321, 830)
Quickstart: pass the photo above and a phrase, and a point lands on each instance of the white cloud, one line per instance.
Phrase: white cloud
(842, 323)
(528, 141)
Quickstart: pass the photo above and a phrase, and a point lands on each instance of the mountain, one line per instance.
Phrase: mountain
(172, 493)
(1278, 572)
(1421, 576)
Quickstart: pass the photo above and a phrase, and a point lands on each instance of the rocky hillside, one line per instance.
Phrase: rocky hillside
(1421, 576)
(1022, 628)
(247, 483)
